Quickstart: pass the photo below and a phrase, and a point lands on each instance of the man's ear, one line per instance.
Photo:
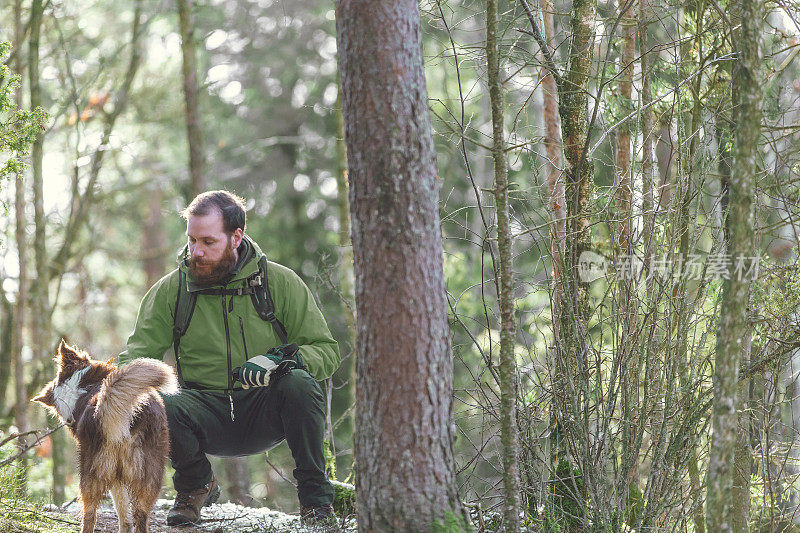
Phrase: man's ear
(238, 234)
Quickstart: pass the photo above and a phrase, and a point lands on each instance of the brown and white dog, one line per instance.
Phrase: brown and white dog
(119, 422)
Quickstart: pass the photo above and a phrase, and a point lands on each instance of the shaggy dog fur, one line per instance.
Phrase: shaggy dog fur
(120, 425)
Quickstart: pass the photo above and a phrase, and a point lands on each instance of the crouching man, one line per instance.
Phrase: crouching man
(250, 343)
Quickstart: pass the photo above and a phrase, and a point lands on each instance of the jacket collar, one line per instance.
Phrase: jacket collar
(249, 254)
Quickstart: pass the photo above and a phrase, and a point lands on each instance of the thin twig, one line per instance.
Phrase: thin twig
(279, 472)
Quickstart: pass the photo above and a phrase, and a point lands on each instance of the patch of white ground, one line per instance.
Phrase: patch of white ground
(217, 518)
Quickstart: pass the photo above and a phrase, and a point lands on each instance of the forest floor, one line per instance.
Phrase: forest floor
(217, 518)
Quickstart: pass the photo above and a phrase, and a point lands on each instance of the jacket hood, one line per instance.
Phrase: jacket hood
(246, 266)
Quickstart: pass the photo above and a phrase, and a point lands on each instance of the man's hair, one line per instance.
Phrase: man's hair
(230, 206)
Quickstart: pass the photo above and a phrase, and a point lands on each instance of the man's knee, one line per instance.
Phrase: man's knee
(176, 405)
(299, 388)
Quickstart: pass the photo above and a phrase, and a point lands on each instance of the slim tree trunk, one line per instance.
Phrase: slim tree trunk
(648, 138)
(194, 132)
(552, 144)
(153, 239)
(20, 393)
(733, 326)
(41, 309)
(624, 163)
(404, 416)
(346, 277)
(6, 348)
(507, 370)
(238, 474)
(571, 375)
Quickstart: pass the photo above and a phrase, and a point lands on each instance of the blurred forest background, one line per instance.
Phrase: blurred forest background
(91, 222)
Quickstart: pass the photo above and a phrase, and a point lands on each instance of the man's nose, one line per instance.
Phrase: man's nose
(197, 252)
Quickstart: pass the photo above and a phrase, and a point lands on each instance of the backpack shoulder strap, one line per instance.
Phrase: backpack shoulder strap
(262, 299)
(184, 308)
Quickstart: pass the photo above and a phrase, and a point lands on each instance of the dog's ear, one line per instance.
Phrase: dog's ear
(67, 356)
(45, 396)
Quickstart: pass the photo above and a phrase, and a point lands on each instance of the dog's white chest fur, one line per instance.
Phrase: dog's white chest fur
(65, 395)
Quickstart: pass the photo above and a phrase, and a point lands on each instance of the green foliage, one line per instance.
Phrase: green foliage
(633, 504)
(330, 460)
(453, 523)
(344, 498)
(18, 127)
(17, 514)
(564, 510)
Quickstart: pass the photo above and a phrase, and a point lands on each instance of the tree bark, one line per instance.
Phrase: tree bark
(624, 163)
(194, 132)
(571, 375)
(733, 327)
(404, 416)
(507, 368)
(552, 144)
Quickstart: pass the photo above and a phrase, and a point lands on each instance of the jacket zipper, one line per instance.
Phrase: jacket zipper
(244, 342)
(228, 347)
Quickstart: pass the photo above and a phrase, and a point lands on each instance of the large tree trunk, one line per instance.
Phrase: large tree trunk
(404, 416)
(733, 327)
(507, 370)
(194, 132)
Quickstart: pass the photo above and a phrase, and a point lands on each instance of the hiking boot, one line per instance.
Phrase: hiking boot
(318, 515)
(188, 504)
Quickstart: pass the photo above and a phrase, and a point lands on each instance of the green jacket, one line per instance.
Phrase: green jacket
(204, 347)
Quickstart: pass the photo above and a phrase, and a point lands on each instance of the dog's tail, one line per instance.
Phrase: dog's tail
(125, 390)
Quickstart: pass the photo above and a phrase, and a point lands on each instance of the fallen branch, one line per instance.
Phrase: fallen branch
(13, 436)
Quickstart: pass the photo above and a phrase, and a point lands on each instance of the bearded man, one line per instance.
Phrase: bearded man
(230, 315)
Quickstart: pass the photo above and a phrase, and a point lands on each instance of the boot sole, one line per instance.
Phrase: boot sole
(179, 520)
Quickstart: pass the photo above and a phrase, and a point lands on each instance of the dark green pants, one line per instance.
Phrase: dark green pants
(292, 409)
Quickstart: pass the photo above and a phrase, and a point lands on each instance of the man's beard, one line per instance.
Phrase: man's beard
(213, 272)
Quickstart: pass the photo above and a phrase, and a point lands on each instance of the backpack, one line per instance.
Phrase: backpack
(257, 286)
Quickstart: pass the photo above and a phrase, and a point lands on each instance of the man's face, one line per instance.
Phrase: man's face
(212, 252)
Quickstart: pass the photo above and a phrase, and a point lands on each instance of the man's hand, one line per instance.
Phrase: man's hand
(255, 372)
(277, 362)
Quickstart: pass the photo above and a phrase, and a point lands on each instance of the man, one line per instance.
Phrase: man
(230, 325)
